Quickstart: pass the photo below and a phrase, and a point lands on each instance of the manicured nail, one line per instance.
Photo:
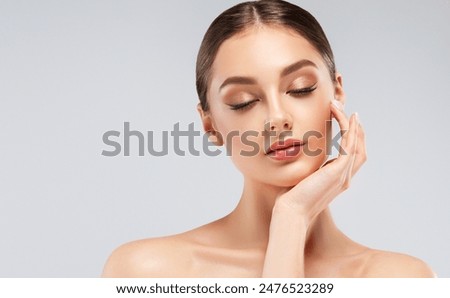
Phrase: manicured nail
(337, 104)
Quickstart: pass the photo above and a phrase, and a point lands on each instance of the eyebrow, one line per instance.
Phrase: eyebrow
(251, 81)
(238, 80)
(296, 66)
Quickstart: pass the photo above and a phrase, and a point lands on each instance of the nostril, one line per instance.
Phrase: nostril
(277, 124)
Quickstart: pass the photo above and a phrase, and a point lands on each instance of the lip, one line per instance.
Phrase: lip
(285, 149)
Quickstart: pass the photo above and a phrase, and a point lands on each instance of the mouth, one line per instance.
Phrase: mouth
(284, 147)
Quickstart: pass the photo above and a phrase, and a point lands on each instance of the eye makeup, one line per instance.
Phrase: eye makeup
(243, 106)
(300, 85)
(302, 91)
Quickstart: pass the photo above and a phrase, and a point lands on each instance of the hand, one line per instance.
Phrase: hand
(295, 209)
(314, 193)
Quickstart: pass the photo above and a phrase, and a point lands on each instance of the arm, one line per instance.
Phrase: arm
(287, 237)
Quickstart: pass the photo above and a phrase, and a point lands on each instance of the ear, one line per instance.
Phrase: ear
(214, 136)
(339, 93)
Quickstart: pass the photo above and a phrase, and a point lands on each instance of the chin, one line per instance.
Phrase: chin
(290, 181)
(287, 175)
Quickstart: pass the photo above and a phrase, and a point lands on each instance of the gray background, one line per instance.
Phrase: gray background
(72, 70)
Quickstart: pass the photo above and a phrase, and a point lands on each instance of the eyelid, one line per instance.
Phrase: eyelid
(303, 90)
(240, 106)
(298, 92)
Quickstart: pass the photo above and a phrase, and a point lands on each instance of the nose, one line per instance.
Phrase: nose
(279, 120)
(279, 124)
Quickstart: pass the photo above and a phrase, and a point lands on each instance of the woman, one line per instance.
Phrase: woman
(268, 90)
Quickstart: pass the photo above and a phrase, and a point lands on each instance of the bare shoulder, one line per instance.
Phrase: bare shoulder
(390, 264)
(156, 257)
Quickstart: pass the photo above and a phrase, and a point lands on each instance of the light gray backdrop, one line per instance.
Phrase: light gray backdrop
(72, 70)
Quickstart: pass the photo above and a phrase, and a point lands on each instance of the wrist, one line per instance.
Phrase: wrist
(283, 212)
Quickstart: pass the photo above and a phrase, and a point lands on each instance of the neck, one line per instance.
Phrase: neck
(250, 220)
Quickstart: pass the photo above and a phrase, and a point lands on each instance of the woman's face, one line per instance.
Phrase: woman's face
(269, 84)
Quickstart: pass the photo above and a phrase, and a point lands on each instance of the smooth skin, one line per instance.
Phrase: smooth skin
(282, 226)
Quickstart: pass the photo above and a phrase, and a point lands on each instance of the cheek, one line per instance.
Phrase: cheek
(315, 128)
(241, 134)
(312, 119)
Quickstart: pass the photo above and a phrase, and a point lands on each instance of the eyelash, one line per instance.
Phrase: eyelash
(244, 105)
(304, 91)
(297, 92)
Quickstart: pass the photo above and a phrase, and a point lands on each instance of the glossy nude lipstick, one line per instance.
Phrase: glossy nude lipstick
(285, 149)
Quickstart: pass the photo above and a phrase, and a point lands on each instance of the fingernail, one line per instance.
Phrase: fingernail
(357, 117)
(337, 104)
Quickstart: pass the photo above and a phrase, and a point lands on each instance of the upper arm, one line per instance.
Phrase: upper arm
(386, 264)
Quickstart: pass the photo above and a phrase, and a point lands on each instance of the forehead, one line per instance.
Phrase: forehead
(261, 51)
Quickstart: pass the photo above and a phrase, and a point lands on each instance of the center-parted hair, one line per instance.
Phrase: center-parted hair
(256, 13)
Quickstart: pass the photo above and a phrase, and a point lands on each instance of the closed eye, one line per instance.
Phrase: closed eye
(303, 91)
(244, 105)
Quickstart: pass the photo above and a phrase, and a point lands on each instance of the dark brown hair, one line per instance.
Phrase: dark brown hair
(264, 12)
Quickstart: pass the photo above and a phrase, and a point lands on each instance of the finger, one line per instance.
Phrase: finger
(361, 154)
(348, 145)
(343, 122)
(339, 115)
(328, 161)
(351, 139)
(351, 149)
(343, 163)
